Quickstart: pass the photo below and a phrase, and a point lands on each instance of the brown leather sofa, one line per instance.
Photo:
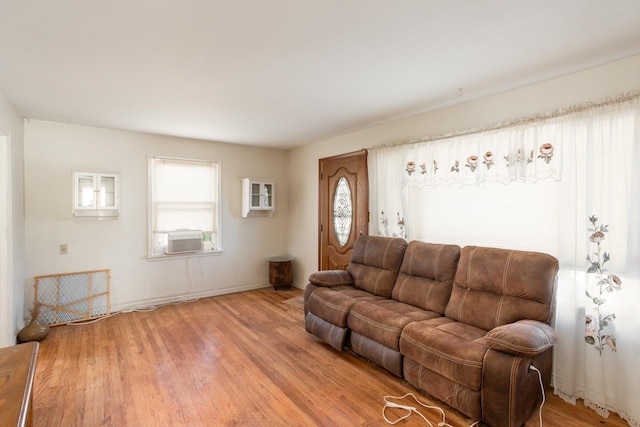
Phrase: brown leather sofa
(463, 325)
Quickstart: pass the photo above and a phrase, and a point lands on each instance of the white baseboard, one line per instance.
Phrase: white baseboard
(155, 302)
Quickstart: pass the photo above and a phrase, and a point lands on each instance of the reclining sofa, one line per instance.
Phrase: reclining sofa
(463, 325)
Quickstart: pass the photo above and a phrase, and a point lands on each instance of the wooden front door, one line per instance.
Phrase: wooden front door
(344, 207)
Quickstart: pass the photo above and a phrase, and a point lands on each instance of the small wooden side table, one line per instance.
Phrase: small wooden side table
(280, 272)
(17, 370)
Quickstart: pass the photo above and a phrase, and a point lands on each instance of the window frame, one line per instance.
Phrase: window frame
(217, 240)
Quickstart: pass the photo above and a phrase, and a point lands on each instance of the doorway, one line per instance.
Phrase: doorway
(343, 206)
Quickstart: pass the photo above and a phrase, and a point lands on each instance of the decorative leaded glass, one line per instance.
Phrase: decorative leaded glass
(342, 211)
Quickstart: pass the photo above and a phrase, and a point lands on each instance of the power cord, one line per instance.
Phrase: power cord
(410, 410)
(135, 310)
(541, 389)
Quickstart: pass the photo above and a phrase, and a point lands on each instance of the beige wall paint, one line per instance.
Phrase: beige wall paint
(13, 251)
(589, 85)
(54, 149)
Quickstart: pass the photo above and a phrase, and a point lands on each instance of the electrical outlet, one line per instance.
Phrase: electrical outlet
(64, 249)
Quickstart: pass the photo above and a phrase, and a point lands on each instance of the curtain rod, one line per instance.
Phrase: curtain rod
(620, 99)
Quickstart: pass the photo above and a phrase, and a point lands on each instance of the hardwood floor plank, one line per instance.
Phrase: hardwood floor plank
(234, 360)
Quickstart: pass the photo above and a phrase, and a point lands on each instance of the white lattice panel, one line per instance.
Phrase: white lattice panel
(72, 297)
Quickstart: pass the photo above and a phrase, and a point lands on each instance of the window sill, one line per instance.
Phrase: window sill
(167, 257)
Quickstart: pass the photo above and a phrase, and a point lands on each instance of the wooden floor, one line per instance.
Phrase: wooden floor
(239, 359)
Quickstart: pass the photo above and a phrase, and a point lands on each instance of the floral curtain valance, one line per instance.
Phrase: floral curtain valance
(503, 155)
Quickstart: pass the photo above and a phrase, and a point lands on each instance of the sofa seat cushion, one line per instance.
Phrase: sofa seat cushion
(383, 320)
(333, 304)
(453, 349)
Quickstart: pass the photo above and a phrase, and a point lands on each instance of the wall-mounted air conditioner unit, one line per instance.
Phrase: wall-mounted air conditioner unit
(184, 241)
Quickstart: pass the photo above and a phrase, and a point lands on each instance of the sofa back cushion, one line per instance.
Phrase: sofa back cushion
(494, 287)
(375, 262)
(426, 275)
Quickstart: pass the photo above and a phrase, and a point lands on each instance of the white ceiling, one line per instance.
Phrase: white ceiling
(284, 73)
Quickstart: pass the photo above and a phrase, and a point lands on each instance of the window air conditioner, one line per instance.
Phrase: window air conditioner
(184, 241)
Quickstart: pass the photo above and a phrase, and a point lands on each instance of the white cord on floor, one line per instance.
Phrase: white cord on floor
(135, 310)
(410, 410)
(88, 322)
(541, 389)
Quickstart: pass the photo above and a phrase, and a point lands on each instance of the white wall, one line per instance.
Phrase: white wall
(12, 248)
(52, 150)
(589, 85)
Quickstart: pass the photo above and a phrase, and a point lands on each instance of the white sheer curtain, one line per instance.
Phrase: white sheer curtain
(598, 355)
(388, 195)
(589, 158)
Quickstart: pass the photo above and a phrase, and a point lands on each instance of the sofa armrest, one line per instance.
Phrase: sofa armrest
(526, 338)
(329, 278)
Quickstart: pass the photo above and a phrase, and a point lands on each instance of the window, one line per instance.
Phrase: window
(183, 195)
(521, 215)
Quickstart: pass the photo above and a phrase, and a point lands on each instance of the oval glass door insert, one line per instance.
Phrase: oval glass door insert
(342, 211)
